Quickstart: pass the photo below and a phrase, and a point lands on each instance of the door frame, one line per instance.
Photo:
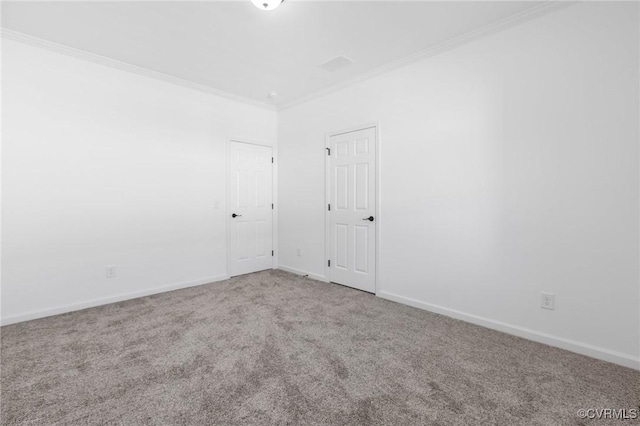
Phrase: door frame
(274, 196)
(327, 197)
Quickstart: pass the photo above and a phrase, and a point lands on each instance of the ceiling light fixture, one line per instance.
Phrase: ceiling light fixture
(266, 4)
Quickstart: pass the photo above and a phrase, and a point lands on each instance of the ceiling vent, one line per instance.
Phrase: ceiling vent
(336, 63)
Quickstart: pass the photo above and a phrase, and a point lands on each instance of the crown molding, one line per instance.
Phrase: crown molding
(528, 14)
(540, 9)
(123, 66)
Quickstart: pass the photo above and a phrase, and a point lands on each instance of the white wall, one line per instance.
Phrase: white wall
(509, 166)
(104, 167)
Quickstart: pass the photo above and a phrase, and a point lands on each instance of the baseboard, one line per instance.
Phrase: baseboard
(299, 272)
(106, 300)
(567, 344)
(548, 339)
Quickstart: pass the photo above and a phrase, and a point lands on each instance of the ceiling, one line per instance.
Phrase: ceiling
(234, 47)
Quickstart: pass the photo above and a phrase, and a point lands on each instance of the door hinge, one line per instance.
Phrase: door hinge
(271, 206)
(271, 160)
(328, 151)
(329, 263)
(271, 252)
(329, 206)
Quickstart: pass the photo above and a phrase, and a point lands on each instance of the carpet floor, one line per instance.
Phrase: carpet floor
(276, 348)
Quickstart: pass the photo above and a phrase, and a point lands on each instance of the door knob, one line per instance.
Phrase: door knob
(370, 218)
(236, 215)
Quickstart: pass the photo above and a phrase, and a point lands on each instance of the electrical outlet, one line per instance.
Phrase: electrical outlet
(299, 252)
(111, 271)
(548, 301)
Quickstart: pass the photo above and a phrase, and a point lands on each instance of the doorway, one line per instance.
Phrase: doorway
(249, 208)
(351, 234)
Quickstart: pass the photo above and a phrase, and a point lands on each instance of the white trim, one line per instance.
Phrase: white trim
(327, 197)
(107, 300)
(123, 66)
(539, 9)
(299, 272)
(274, 193)
(536, 336)
(276, 205)
(378, 204)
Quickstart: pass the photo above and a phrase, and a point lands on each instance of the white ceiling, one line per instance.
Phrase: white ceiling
(236, 48)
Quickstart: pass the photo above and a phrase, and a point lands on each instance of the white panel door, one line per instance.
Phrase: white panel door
(249, 186)
(352, 206)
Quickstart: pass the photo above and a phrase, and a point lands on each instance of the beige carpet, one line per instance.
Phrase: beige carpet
(275, 348)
